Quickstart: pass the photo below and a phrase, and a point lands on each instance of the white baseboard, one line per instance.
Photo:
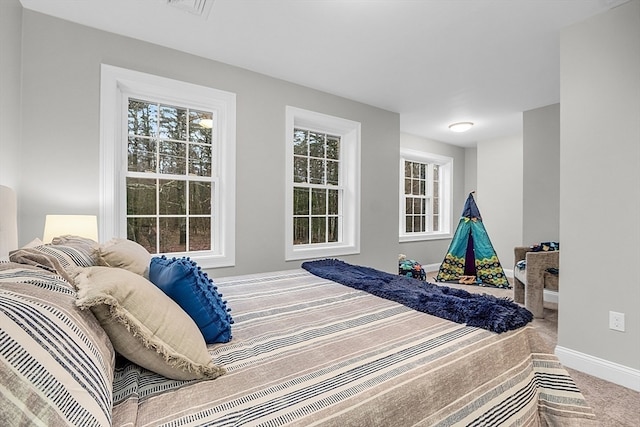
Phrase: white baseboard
(600, 368)
(430, 268)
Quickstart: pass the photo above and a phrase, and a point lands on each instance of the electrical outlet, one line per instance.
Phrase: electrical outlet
(616, 321)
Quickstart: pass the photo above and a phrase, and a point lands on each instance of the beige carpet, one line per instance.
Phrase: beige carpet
(614, 405)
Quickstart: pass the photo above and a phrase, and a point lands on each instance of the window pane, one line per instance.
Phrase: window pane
(318, 230)
(334, 201)
(300, 201)
(332, 232)
(436, 223)
(173, 158)
(316, 144)
(422, 189)
(436, 172)
(142, 118)
(141, 196)
(318, 201)
(423, 171)
(300, 146)
(141, 155)
(417, 206)
(417, 224)
(316, 171)
(332, 173)
(408, 224)
(409, 205)
(415, 187)
(143, 231)
(199, 198)
(200, 126)
(173, 234)
(200, 160)
(415, 172)
(301, 231)
(300, 169)
(172, 197)
(173, 123)
(333, 147)
(407, 186)
(199, 234)
(407, 169)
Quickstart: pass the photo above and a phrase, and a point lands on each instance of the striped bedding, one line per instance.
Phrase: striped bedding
(308, 351)
(56, 362)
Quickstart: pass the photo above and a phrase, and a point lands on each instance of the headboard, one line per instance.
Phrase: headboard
(8, 221)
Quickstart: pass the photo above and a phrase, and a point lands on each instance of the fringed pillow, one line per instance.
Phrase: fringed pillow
(185, 283)
(144, 324)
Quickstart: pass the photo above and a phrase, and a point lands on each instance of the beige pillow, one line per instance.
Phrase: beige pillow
(127, 254)
(144, 324)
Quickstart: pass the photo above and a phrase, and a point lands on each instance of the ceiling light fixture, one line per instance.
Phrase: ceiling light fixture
(460, 126)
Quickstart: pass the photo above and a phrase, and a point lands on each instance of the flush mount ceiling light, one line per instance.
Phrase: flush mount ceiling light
(460, 126)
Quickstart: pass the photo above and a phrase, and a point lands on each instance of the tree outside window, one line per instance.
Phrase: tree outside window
(169, 177)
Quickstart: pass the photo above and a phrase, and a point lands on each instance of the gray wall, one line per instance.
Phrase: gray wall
(470, 169)
(10, 58)
(433, 251)
(60, 141)
(599, 186)
(541, 175)
(499, 194)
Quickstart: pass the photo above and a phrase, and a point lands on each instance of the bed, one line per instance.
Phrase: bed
(305, 350)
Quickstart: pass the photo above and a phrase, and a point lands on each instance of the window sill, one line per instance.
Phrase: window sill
(425, 237)
(321, 252)
(204, 259)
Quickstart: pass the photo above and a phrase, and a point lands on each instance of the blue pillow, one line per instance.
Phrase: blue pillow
(185, 283)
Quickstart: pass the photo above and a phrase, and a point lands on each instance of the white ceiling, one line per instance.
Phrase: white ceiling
(433, 61)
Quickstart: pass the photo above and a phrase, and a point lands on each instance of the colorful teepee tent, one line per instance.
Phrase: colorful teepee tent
(471, 256)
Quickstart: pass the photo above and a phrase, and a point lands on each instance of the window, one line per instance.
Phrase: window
(425, 196)
(323, 185)
(169, 182)
(167, 170)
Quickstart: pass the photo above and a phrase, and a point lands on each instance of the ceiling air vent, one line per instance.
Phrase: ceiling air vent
(196, 7)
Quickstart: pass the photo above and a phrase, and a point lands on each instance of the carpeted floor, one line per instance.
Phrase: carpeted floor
(614, 405)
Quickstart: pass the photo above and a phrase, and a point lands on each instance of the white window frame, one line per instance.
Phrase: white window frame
(349, 176)
(117, 85)
(446, 195)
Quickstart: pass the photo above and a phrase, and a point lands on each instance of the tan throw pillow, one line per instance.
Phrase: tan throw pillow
(144, 324)
(127, 254)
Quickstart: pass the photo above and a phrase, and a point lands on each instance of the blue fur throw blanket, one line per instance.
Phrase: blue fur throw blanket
(483, 311)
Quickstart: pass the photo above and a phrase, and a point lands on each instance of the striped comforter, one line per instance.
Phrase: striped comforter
(308, 351)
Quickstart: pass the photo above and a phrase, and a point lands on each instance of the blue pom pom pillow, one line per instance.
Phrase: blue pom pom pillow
(186, 284)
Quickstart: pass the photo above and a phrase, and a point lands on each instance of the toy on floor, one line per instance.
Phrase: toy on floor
(410, 268)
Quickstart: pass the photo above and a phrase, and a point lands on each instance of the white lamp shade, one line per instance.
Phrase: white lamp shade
(75, 225)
